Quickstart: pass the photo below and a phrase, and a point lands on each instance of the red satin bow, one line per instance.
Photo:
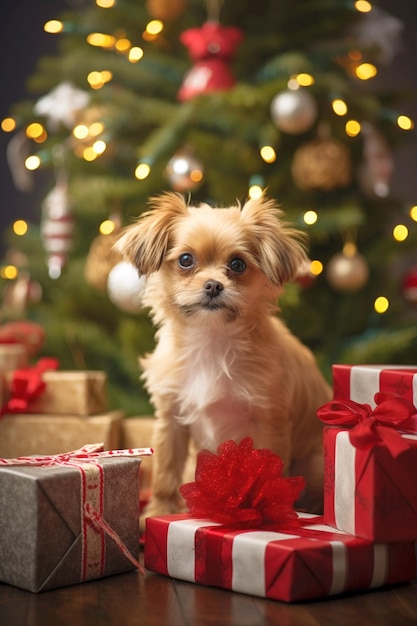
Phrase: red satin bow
(369, 427)
(27, 385)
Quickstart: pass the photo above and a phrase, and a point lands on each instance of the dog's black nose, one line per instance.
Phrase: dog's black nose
(213, 288)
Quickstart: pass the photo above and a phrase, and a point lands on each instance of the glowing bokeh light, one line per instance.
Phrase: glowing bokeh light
(339, 106)
(255, 192)
(310, 217)
(20, 227)
(268, 154)
(53, 27)
(8, 124)
(32, 162)
(381, 304)
(142, 171)
(400, 232)
(365, 71)
(316, 267)
(135, 54)
(352, 128)
(107, 227)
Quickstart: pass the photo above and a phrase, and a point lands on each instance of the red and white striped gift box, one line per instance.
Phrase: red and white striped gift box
(368, 492)
(361, 382)
(304, 560)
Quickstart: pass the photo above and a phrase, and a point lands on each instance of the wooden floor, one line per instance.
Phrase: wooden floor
(152, 600)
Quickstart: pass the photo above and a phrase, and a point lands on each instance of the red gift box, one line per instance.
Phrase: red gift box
(369, 492)
(361, 382)
(304, 560)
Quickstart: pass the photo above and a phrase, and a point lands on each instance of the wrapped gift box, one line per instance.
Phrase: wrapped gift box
(304, 560)
(51, 434)
(46, 540)
(138, 432)
(70, 393)
(368, 492)
(13, 356)
(361, 382)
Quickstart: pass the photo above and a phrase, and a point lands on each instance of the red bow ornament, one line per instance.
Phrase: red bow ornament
(384, 424)
(211, 47)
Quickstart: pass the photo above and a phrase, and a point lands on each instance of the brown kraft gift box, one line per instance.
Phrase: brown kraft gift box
(70, 392)
(138, 432)
(22, 435)
(45, 539)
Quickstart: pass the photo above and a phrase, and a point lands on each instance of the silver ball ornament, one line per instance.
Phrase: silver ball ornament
(294, 111)
(184, 172)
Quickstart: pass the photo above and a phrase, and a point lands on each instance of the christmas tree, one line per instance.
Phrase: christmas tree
(218, 101)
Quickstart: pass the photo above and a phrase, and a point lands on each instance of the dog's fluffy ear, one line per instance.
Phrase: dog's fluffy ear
(145, 243)
(280, 249)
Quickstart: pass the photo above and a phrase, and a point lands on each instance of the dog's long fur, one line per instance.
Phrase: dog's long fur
(224, 366)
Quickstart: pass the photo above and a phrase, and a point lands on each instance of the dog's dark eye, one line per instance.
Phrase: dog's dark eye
(186, 260)
(237, 265)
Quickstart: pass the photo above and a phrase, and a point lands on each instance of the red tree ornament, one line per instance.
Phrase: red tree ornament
(409, 286)
(211, 47)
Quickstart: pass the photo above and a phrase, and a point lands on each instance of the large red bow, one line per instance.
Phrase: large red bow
(242, 486)
(383, 424)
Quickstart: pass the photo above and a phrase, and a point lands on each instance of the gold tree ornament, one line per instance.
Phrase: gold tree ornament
(348, 270)
(323, 163)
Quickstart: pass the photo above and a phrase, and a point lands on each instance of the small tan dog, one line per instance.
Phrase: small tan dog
(224, 367)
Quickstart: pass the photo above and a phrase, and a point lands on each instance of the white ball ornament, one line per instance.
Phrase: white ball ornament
(294, 111)
(125, 288)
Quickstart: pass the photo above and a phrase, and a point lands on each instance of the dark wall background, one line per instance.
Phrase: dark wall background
(22, 42)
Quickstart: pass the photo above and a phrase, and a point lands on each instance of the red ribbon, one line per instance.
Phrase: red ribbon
(27, 385)
(383, 424)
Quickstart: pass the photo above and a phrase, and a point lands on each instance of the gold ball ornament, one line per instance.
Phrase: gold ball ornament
(166, 9)
(294, 111)
(347, 271)
(101, 259)
(322, 164)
